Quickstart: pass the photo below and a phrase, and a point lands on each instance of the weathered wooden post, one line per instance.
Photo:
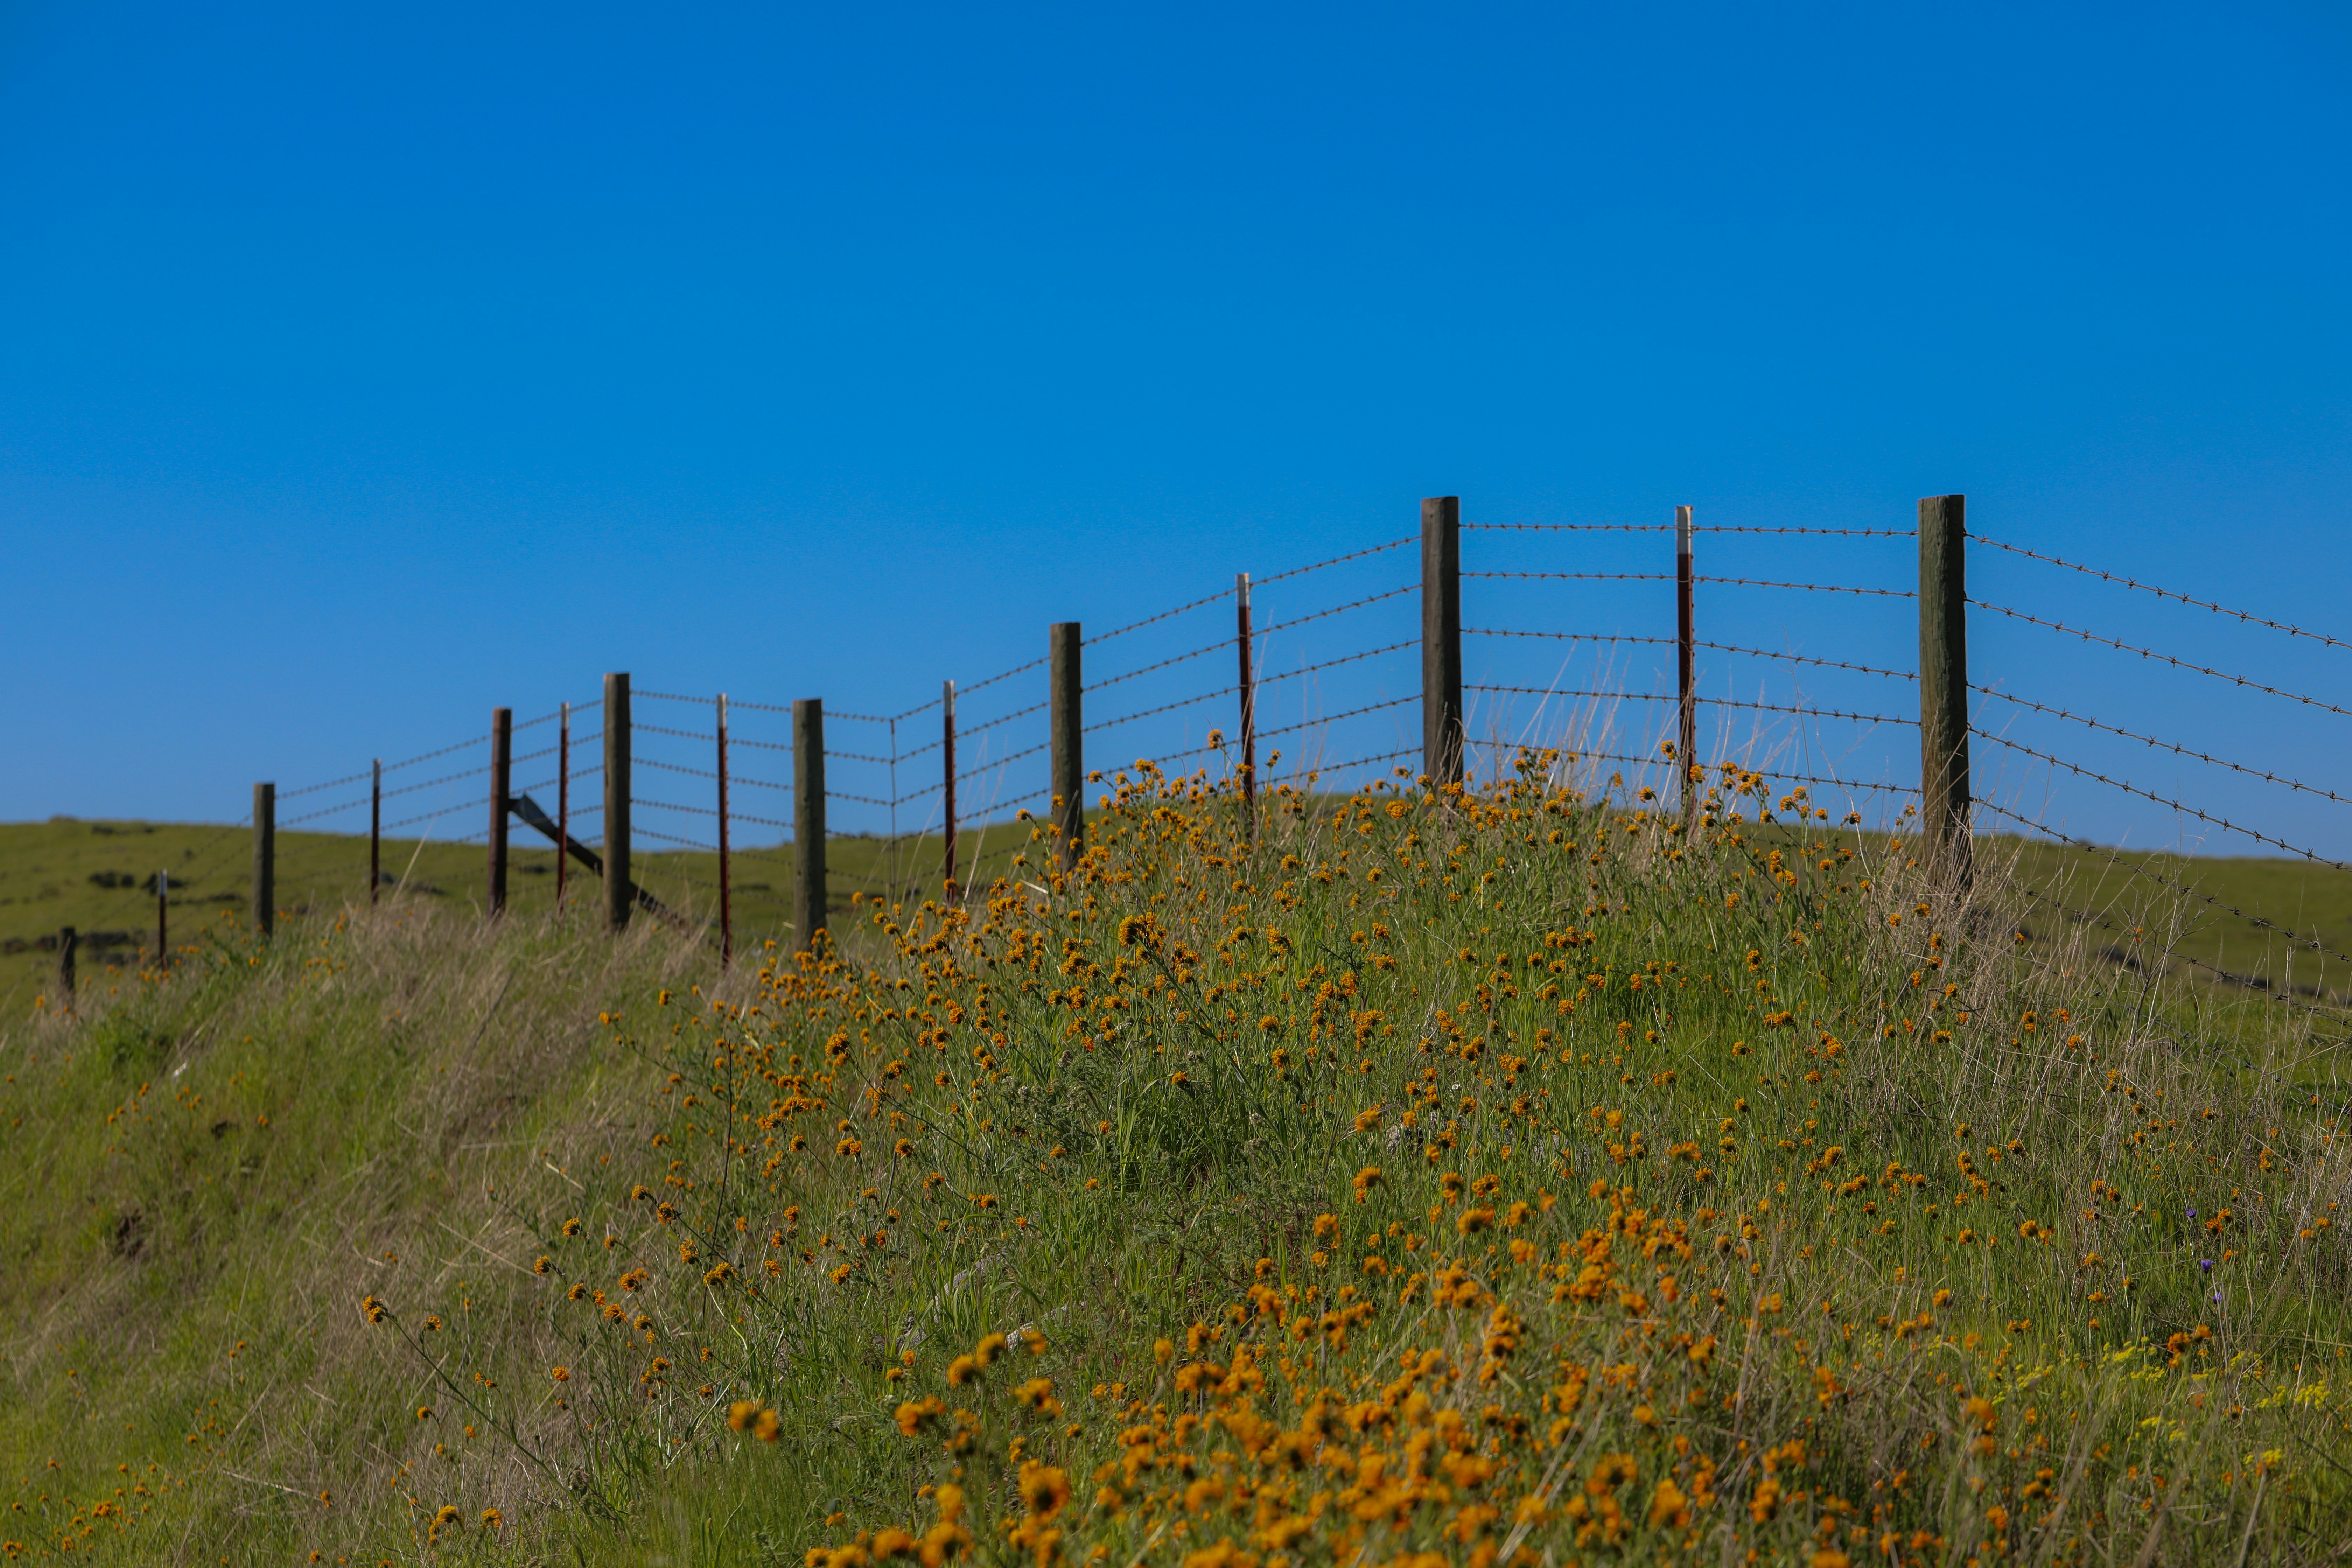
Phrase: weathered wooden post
(501, 785)
(808, 822)
(948, 779)
(726, 905)
(1069, 776)
(1686, 757)
(1944, 687)
(1249, 704)
(619, 893)
(67, 940)
(1442, 736)
(264, 858)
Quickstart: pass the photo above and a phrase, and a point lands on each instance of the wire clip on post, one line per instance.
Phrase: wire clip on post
(616, 800)
(1944, 683)
(947, 786)
(1441, 640)
(1062, 644)
(1686, 769)
(1249, 705)
(264, 858)
(501, 782)
(808, 822)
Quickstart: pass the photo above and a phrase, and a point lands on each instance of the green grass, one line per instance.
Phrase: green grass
(214, 1168)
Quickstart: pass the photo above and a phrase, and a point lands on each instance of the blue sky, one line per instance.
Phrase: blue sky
(365, 369)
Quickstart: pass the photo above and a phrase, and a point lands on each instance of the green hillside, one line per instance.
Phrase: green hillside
(1411, 1180)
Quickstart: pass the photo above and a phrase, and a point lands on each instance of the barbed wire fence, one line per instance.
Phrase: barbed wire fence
(1343, 672)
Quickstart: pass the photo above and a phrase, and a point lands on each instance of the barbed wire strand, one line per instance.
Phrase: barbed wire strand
(1671, 642)
(2244, 615)
(2165, 745)
(2165, 658)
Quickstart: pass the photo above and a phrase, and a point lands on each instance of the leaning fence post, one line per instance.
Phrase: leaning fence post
(948, 778)
(67, 941)
(1070, 781)
(1249, 704)
(1687, 760)
(375, 831)
(1442, 736)
(619, 894)
(501, 784)
(726, 904)
(264, 858)
(1944, 685)
(562, 801)
(808, 822)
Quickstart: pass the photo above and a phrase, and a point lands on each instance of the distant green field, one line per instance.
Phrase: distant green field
(97, 877)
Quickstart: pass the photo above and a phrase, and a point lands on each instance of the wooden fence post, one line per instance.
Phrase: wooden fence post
(562, 801)
(948, 778)
(808, 823)
(264, 858)
(1687, 756)
(1069, 777)
(501, 785)
(375, 831)
(619, 893)
(1249, 703)
(1944, 687)
(67, 940)
(726, 904)
(1442, 737)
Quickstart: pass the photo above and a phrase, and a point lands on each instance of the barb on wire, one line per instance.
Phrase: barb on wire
(760, 821)
(1569, 528)
(681, 843)
(2165, 745)
(2246, 615)
(757, 784)
(1264, 735)
(681, 734)
(1579, 576)
(1010, 757)
(1164, 663)
(1336, 559)
(2161, 800)
(1718, 646)
(675, 768)
(1162, 616)
(1338, 610)
(430, 784)
(1329, 663)
(666, 805)
(735, 741)
(1711, 702)
(2138, 868)
(1812, 587)
(2166, 657)
(1164, 708)
(674, 697)
(982, 685)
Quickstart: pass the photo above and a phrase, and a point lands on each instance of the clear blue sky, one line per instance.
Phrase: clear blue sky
(365, 368)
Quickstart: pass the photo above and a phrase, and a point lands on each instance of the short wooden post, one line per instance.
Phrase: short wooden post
(1249, 703)
(726, 906)
(501, 786)
(562, 801)
(619, 893)
(375, 831)
(1070, 781)
(947, 780)
(1686, 766)
(1944, 686)
(1442, 738)
(808, 823)
(163, 918)
(264, 858)
(67, 940)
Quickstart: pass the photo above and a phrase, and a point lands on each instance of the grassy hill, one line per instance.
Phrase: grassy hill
(1503, 1179)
